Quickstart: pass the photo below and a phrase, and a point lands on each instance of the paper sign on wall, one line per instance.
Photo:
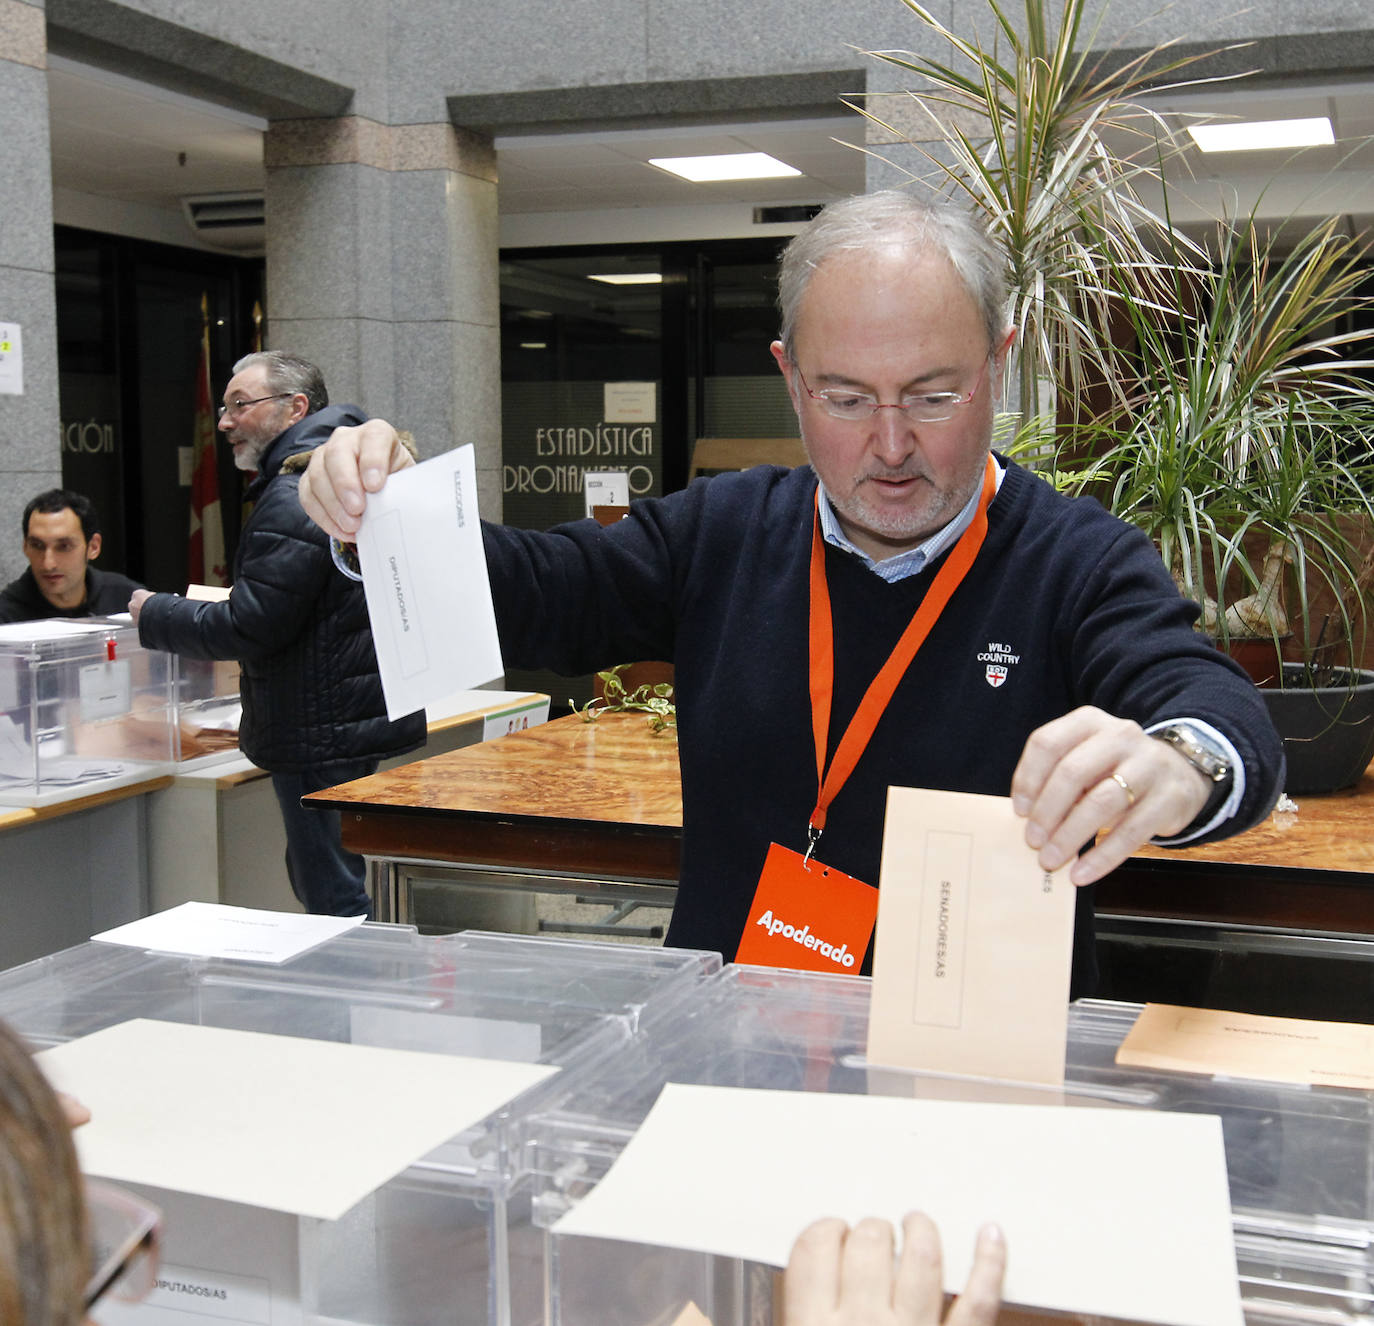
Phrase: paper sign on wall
(630, 402)
(11, 359)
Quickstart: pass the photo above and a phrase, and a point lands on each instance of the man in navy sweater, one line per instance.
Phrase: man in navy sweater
(1063, 671)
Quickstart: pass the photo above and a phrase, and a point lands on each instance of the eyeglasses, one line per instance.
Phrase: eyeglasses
(126, 1233)
(930, 407)
(238, 407)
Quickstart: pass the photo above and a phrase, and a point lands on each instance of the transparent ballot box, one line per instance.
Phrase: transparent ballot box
(206, 693)
(1298, 1158)
(449, 1239)
(82, 704)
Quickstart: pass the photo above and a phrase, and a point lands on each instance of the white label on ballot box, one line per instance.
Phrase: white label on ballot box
(106, 690)
(221, 1262)
(182, 1291)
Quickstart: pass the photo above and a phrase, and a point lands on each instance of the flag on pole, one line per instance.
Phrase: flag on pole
(206, 560)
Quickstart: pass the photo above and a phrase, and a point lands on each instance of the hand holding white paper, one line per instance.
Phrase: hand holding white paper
(425, 575)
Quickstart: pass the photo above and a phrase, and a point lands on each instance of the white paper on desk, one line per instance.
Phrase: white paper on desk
(1111, 1212)
(272, 1121)
(425, 574)
(246, 934)
(974, 942)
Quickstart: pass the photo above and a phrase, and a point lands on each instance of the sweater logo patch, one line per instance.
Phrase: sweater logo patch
(998, 660)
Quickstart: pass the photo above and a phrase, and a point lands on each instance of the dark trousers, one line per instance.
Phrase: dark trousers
(328, 880)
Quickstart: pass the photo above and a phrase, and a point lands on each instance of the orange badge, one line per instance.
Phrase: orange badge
(808, 916)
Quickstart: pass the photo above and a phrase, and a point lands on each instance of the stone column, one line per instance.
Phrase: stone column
(382, 252)
(30, 427)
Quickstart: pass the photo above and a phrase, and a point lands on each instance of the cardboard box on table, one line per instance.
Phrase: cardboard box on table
(450, 1238)
(1298, 1157)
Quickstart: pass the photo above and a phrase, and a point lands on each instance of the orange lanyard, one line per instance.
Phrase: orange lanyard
(881, 689)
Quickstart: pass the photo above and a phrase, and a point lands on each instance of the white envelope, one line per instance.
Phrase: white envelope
(425, 574)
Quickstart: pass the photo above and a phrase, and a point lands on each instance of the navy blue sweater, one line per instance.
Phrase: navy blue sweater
(715, 579)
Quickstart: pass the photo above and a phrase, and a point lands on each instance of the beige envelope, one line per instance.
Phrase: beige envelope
(1204, 1040)
(974, 943)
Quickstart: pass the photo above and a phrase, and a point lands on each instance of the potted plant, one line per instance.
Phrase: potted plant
(1226, 415)
(1242, 446)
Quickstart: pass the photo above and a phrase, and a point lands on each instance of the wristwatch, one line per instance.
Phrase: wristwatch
(1197, 750)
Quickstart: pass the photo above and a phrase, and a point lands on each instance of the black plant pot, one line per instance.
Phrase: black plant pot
(1327, 731)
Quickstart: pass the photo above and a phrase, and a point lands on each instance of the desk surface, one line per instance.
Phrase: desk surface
(613, 771)
(1329, 833)
(602, 799)
(1309, 870)
(608, 794)
(17, 817)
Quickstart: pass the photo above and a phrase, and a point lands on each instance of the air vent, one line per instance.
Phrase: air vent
(228, 220)
(785, 216)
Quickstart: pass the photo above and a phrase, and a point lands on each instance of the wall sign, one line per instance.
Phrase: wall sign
(11, 359)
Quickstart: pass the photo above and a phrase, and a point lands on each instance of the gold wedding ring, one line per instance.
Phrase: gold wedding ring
(1126, 788)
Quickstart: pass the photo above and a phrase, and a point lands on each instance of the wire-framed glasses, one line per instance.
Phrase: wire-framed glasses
(125, 1233)
(238, 407)
(927, 407)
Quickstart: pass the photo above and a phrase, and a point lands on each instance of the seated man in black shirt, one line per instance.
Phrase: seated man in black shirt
(61, 540)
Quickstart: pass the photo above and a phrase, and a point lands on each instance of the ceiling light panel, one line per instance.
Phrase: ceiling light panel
(1263, 135)
(730, 166)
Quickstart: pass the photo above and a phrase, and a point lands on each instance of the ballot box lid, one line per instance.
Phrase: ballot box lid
(1298, 1157)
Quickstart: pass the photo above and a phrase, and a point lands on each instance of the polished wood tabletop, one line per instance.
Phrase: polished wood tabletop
(605, 798)
(1311, 868)
(571, 795)
(1333, 832)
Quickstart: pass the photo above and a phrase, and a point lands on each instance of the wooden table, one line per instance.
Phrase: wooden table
(1309, 870)
(596, 808)
(1278, 920)
(571, 807)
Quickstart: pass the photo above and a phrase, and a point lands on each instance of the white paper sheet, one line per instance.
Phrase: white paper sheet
(425, 574)
(51, 629)
(212, 930)
(274, 1121)
(1116, 1212)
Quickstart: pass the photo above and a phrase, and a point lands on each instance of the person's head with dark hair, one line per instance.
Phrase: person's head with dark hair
(44, 1251)
(59, 499)
(270, 391)
(61, 535)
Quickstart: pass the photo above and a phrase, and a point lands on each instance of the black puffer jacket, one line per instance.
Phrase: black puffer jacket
(311, 693)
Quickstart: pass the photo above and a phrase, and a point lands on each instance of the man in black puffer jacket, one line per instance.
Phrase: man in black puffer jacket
(313, 711)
